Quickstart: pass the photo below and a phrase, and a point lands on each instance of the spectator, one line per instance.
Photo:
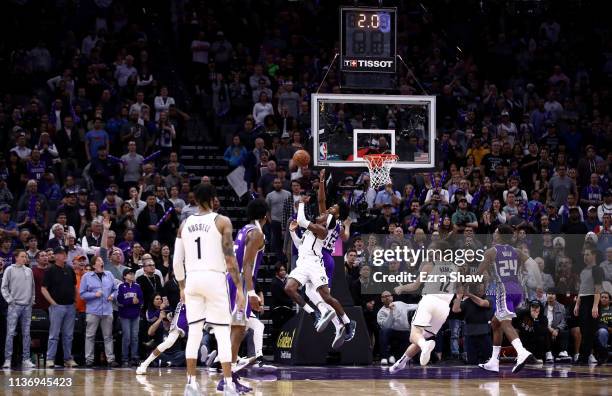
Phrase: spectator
(557, 327)
(262, 108)
(560, 186)
(604, 327)
(38, 272)
(58, 288)
(235, 155)
(131, 165)
(95, 139)
(532, 327)
(99, 290)
(8, 228)
(19, 292)
(587, 303)
(129, 297)
(606, 265)
(150, 281)
(275, 201)
(281, 304)
(606, 206)
(162, 102)
(394, 322)
(148, 224)
(477, 312)
(463, 218)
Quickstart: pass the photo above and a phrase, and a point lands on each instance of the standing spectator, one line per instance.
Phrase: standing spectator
(235, 155)
(393, 319)
(131, 166)
(129, 297)
(262, 108)
(95, 139)
(147, 227)
(18, 291)
(116, 267)
(38, 272)
(557, 327)
(275, 201)
(150, 282)
(59, 290)
(560, 186)
(587, 303)
(162, 102)
(98, 289)
(289, 98)
(477, 313)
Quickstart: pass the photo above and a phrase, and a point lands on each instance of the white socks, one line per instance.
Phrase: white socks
(518, 345)
(308, 309)
(345, 319)
(496, 351)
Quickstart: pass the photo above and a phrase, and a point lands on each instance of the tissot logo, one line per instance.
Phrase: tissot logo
(354, 63)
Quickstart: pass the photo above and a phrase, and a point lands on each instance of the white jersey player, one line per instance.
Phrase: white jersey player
(203, 254)
(432, 310)
(310, 268)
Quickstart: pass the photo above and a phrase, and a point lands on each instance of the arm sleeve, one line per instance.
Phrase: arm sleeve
(296, 240)
(301, 218)
(178, 261)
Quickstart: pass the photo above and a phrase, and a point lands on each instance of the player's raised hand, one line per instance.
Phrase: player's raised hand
(293, 225)
(322, 176)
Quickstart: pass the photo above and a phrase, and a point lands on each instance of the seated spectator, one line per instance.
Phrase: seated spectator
(604, 327)
(130, 300)
(606, 265)
(99, 290)
(8, 228)
(235, 155)
(557, 327)
(7, 257)
(393, 319)
(532, 326)
(463, 218)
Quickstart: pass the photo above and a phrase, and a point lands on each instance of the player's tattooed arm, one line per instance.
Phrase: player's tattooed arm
(227, 244)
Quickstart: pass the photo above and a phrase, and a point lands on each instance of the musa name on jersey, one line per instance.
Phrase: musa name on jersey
(202, 242)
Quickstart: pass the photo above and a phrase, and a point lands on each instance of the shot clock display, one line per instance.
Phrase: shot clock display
(368, 39)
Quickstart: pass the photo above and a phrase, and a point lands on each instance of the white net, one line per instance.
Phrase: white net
(380, 168)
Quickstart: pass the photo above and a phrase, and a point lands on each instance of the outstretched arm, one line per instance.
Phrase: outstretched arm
(321, 193)
(532, 267)
(317, 229)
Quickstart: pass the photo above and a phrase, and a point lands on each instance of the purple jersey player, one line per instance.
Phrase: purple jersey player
(248, 246)
(504, 263)
(240, 248)
(178, 328)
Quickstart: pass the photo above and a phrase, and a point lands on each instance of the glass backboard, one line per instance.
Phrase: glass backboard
(349, 126)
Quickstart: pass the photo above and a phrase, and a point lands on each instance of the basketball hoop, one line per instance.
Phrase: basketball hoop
(380, 166)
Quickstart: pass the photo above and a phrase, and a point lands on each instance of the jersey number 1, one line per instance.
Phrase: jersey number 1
(197, 241)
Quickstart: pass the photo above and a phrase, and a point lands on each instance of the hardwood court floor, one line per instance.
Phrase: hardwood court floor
(323, 381)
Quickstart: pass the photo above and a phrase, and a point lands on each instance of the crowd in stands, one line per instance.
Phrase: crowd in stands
(92, 188)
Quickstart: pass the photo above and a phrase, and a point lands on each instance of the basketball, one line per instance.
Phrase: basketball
(301, 158)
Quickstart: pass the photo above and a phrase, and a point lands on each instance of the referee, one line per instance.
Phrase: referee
(587, 303)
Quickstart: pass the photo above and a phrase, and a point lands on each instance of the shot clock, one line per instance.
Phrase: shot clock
(367, 37)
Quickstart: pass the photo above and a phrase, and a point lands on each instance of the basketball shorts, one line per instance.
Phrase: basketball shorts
(239, 317)
(310, 269)
(329, 263)
(431, 313)
(207, 296)
(508, 297)
(179, 320)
